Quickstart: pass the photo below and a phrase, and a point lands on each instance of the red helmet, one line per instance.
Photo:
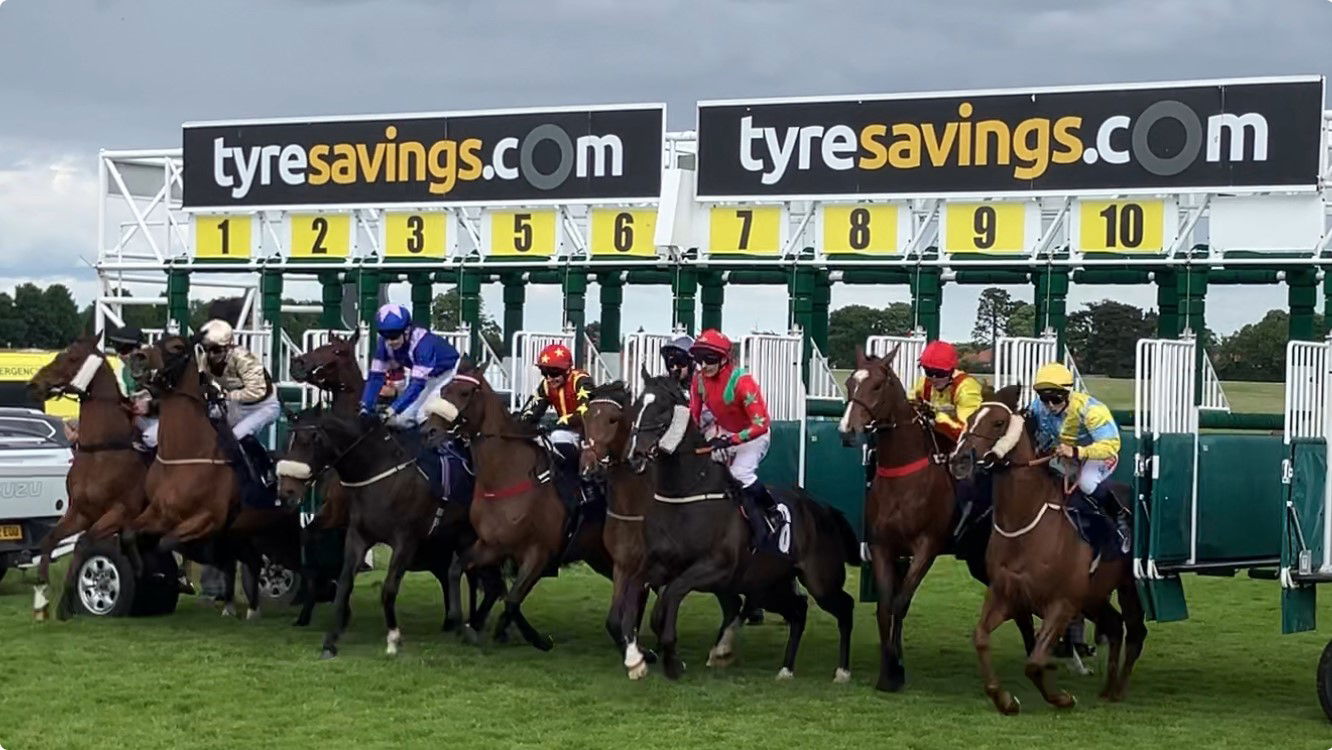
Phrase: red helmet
(939, 355)
(712, 340)
(557, 356)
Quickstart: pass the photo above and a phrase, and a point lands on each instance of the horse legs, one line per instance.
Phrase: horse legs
(723, 650)
(1111, 625)
(994, 611)
(403, 553)
(533, 562)
(353, 552)
(71, 523)
(794, 608)
(1053, 621)
(923, 554)
(249, 556)
(886, 577)
(665, 614)
(636, 659)
(1135, 632)
(619, 594)
(833, 599)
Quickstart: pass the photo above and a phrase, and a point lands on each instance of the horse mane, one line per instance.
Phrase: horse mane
(616, 391)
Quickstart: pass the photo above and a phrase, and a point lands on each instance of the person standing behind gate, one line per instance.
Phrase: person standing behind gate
(429, 360)
(741, 415)
(952, 394)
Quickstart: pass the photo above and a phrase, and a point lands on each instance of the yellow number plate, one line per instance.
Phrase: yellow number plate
(1127, 226)
(869, 229)
(518, 234)
(993, 228)
(320, 235)
(221, 236)
(416, 235)
(11, 533)
(624, 232)
(745, 230)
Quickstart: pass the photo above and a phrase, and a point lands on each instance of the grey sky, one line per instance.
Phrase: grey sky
(80, 75)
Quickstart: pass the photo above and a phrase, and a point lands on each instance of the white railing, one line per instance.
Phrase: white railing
(1017, 359)
(822, 383)
(774, 360)
(1213, 395)
(593, 363)
(1163, 387)
(1307, 383)
(523, 373)
(496, 374)
(904, 362)
(643, 350)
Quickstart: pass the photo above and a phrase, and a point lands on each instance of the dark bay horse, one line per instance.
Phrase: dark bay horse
(389, 501)
(910, 510)
(607, 425)
(516, 510)
(105, 480)
(698, 541)
(193, 492)
(1038, 563)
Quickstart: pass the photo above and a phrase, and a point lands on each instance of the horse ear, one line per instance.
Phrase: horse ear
(356, 336)
(892, 354)
(1008, 395)
(860, 357)
(481, 368)
(643, 371)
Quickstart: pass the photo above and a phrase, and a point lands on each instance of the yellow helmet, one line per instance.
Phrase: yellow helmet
(1053, 375)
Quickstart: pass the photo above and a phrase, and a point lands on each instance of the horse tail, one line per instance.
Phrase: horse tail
(833, 522)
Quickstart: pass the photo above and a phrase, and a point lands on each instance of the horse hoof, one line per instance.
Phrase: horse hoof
(328, 653)
(1063, 699)
(674, 669)
(720, 661)
(63, 610)
(393, 642)
(785, 674)
(450, 625)
(469, 635)
(228, 610)
(1007, 704)
(649, 656)
(841, 676)
(41, 615)
(891, 683)
(638, 671)
(252, 614)
(301, 622)
(543, 643)
(501, 637)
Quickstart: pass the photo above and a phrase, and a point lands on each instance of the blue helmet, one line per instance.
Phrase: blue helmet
(392, 319)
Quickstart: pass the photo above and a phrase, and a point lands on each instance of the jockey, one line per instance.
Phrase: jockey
(952, 394)
(125, 340)
(252, 400)
(429, 361)
(679, 365)
(1083, 436)
(567, 389)
(741, 415)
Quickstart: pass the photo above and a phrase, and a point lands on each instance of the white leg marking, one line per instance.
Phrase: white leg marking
(394, 640)
(253, 614)
(785, 674)
(229, 609)
(39, 600)
(634, 661)
(842, 676)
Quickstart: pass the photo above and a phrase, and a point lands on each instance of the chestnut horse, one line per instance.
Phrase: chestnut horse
(909, 510)
(516, 510)
(105, 481)
(1038, 563)
(607, 425)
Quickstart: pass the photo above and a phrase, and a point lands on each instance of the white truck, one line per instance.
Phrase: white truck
(34, 460)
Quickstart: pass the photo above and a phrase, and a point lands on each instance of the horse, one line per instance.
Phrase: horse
(698, 541)
(1037, 562)
(193, 491)
(607, 425)
(105, 480)
(516, 509)
(909, 509)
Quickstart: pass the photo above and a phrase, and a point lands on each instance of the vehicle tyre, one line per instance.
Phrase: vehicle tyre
(104, 583)
(1325, 680)
(158, 589)
(3, 570)
(278, 585)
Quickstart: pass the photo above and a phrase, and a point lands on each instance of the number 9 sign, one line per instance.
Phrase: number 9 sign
(991, 228)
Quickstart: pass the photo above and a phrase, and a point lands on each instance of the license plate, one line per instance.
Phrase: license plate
(11, 532)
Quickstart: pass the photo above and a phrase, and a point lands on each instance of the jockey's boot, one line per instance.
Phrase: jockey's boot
(759, 509)
(1108, 503)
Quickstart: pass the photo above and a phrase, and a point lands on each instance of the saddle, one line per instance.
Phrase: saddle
(447, 469)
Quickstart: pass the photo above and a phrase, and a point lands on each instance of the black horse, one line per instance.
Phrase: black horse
(390, 502)
(698, 541)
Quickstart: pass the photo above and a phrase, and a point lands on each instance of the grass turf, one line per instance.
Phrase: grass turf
(1225, 678)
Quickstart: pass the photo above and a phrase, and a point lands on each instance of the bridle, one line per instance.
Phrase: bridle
(320, 430)
(589, 443)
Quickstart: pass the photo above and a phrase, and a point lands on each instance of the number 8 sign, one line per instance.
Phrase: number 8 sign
(863, 228)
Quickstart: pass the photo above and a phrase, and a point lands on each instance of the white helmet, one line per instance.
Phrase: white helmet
(217, 333)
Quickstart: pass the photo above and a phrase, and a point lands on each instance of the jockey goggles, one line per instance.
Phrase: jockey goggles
(215, 349)
(1052, 395)
(707, 357)
(934, 372)
(551, 372)
(125, 349)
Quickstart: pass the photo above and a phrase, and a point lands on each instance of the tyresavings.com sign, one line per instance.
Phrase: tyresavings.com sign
(519, 156)
(1185, 136)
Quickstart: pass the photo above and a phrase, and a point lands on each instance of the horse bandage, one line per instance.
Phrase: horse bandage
(87, 371)
(294, 469)
(1011, 436)
(675, 433)
(442, 408)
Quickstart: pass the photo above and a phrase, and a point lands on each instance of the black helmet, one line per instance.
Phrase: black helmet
(126, 335)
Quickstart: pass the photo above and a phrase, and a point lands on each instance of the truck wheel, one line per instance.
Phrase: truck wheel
(104, 584)
(278, 585)
(158, 589)
(1325, 680)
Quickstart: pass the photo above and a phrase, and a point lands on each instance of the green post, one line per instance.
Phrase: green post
(1167, 305)
(178, 298)
(574, 287)
(612, 298)
(1303, 297)
(684, 288)
(367, 288)
(330, 300)
(1052, 304)
(469, 306)
(818, 329)
(926, 299)
(801, 290)
(1191, 291)
(270, 307)
(515, 294)
(422, 295)
(712, 293)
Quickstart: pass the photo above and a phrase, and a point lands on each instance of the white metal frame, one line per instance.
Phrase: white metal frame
(909, 349)
(523, 373)
(1308, 414)
(1018, 358)
(774, 361)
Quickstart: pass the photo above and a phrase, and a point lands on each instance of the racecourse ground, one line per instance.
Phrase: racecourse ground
(1226, 678)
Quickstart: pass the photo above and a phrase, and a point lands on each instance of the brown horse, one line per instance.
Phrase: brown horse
(105, 481)
(910, 510)
(193, 492)
(1038, 563)
(516, 510)
(607, 426)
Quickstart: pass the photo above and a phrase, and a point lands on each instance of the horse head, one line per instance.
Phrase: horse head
(72, 371)
(605, 428)
(331, 367)
(660, 422)
(874, 396)
(167, 366)
(992, 433)
(459, 407)
(309, 453)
